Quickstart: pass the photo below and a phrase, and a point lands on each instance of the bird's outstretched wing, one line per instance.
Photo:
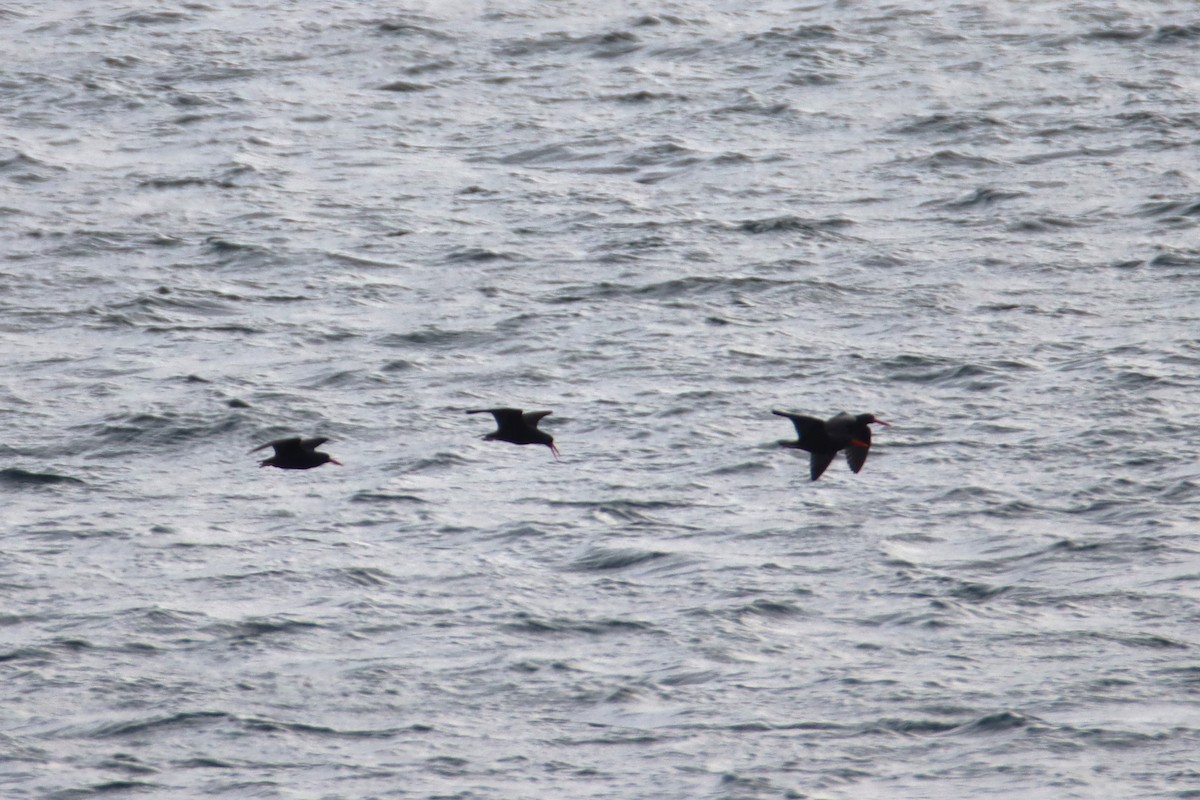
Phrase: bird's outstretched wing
(503, 415)
(857, 450)
(806, 427)
(313, 443)
(532, 418)
(291, 444)
(819, 462)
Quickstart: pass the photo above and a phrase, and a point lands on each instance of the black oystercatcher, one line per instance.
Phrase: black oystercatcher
(824, 438)
(518, 427)
(296, 453)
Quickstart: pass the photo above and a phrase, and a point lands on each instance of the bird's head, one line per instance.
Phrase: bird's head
(869, 419)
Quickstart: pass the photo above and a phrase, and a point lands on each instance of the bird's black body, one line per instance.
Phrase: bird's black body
(518, 427)
(296, 453)
(824, 438)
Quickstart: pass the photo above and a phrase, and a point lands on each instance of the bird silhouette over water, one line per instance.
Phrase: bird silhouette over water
(824, 438)
(296, 453)
(518, 427)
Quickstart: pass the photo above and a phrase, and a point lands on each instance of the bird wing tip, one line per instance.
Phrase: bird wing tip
(819, 462)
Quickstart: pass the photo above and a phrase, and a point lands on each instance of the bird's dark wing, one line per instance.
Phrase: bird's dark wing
(856, 452)
(293, 444)
(532, 418)
(857, 438)
(807, 428)
(820, 461)
(288, 448)
(502, 415)
(314, 443)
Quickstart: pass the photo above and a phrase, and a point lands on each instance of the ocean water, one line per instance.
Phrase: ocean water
(227, 223)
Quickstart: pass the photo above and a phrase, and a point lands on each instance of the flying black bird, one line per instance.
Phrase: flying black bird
(518, 427)
(824, 438)
(296, 453)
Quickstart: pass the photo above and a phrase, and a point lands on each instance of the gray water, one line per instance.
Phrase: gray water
(226, 223)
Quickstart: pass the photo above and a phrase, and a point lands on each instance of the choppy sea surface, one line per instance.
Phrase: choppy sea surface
(223, 223)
